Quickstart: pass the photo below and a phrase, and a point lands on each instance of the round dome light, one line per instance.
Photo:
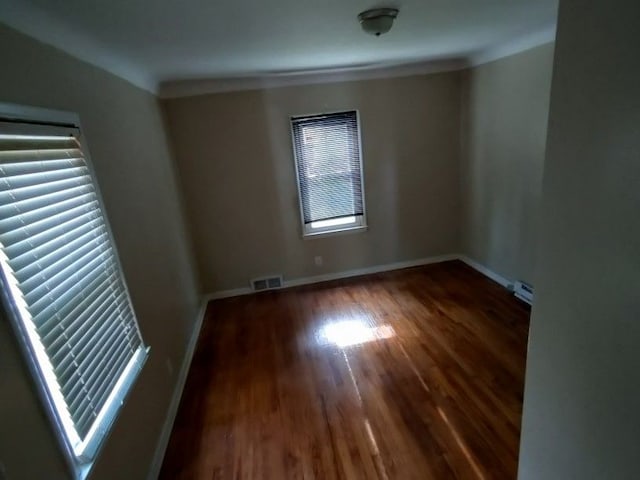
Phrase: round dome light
(378, 20)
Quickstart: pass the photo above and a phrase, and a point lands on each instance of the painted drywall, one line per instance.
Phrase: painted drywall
(124, 130)
(505, 111)
(236, 166)
(581, 418)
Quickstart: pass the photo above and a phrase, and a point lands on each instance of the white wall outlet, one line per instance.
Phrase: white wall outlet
(318, 260)
(169, 366)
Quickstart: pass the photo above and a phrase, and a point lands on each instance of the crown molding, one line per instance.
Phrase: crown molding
(186, 88)
(189, 88)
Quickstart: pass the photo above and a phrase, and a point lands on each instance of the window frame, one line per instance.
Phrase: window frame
(360, 222)
(81, 465)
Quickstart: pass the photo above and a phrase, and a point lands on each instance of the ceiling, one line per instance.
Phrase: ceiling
(149, 42)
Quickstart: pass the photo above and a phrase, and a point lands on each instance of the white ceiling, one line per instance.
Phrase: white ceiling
(149, 42)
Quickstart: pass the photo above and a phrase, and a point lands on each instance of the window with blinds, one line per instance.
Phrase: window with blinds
(62, 284)
(329, 172)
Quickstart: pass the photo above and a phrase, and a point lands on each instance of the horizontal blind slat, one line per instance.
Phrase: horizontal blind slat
(24, 226)
(31, 235)
(39, 300)
(72, 344)
(99, 396)
(19, 193)
(84, 333)
(60, 265)
(109, 347)
(55, 199)
(104, 389)
(68, 306)
(18, 157)
(55, 245)
(75, 314)
(20, 219)
(43, 292)
(84, 380)
(111, 360)
(106, 338)
(18, 176)
(28, 267)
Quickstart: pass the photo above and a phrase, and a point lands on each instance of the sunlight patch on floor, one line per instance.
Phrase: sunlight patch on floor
(354, 332)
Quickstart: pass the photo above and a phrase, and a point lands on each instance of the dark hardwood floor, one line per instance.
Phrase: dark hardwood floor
(412, 374)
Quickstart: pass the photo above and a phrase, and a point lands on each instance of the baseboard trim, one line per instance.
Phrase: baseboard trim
(167, 427)
(234, 292)
(296, 282)
(487, 272)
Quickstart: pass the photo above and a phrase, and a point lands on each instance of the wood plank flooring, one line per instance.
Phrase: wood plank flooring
(411, 374)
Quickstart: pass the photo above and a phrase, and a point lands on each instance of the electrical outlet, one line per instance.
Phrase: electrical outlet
(169, 366)
(318, 261)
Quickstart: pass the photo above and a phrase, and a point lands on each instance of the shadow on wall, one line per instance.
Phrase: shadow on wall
(505, 109)
(427, 130)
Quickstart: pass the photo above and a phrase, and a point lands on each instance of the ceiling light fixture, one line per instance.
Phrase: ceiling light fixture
(377, 20)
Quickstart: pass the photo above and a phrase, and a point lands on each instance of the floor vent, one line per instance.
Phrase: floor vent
(523, 291)
(266, 283)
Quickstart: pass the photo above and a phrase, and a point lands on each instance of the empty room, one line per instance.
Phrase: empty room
(319, 240)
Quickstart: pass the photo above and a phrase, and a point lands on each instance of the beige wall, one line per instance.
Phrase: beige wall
(125, 136)
(237, 171)
(581, 417)
(506, 105)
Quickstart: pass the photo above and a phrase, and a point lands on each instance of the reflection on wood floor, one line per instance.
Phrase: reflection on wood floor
(411, 374)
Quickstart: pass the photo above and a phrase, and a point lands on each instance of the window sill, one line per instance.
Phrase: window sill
(337, 231)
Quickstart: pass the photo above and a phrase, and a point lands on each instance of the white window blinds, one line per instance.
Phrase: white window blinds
(62, 283)
(328, 160)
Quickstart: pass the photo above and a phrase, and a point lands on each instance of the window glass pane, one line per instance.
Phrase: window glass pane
(335, 222)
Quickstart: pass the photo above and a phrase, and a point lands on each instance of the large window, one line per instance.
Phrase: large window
(329, 171)
(62, 285)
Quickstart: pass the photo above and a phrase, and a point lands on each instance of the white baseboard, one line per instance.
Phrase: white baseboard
(167, 427)
(486, 271)
(368, 270)
(234, 292)
(296, 282)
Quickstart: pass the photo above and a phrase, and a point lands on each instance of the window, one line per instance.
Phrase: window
(329, 171)
(62, 285)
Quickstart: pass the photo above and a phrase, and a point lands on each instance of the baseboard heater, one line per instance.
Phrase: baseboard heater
(523, 291)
